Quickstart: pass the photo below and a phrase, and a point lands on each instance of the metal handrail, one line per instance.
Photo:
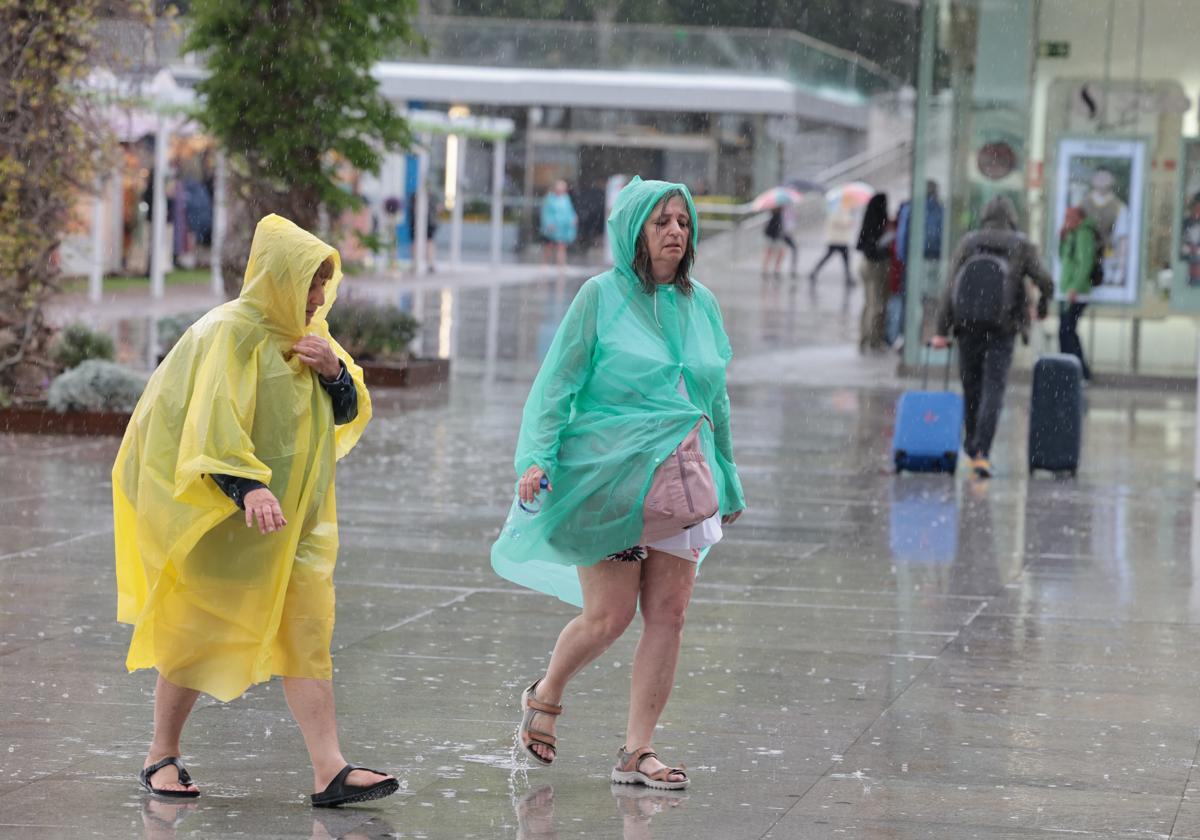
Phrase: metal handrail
(858, 163)
(842, 172)
(744, 216)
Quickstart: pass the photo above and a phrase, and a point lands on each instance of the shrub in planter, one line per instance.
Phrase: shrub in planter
(78, 343)
(96, 385)
(172, 327)
(372, 332)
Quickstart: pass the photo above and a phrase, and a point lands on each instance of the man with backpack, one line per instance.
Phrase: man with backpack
(985, 306)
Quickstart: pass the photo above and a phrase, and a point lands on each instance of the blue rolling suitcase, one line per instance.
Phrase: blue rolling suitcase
(928, 428)
(1056, 414)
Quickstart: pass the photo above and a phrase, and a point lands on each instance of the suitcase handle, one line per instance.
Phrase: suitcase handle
(928, 361)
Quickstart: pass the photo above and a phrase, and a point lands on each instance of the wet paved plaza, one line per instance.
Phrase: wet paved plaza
(866, 656)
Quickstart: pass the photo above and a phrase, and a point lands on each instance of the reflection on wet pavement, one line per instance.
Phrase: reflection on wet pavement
(637, 807)
(867, 656)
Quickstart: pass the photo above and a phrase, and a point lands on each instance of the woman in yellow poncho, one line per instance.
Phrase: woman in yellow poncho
(251, 409)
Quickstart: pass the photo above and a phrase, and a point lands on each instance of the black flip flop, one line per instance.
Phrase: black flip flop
(340, 793)
(185, 778)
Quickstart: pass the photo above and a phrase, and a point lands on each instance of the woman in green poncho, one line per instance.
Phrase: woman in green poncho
(638, 363)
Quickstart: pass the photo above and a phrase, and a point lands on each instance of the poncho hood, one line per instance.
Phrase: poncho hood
(283, 259)
(629, 214)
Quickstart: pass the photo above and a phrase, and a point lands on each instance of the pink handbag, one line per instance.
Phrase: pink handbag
(682, 492)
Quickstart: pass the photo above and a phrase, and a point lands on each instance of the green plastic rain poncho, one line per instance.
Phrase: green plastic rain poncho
(217, 606)
(606, 409)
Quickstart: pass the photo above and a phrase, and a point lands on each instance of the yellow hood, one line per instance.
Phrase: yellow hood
(283, 260)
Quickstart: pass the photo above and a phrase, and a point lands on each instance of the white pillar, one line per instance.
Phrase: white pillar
(421, 222)
(114, 235)
(529, 212)
(1197, 464)
(493, 330)
(417, 346)
(391, 184)
(1193, 590)
(158, 224)
(219, 221)
(96, 272)
(498, 152)
(456, 216)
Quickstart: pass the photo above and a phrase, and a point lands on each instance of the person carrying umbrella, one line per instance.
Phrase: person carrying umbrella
(843, 204)
(779, 235)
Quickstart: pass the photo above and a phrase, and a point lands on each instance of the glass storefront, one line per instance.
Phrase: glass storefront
(1071, 103)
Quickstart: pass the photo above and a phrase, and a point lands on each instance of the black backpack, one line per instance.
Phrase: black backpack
(1097, 273)
(775, 224)
(984, 296)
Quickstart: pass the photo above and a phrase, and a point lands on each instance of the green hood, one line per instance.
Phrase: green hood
(629, 213)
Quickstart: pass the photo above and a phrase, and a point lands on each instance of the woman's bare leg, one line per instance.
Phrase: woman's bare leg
(172, 705)
(667, 583)
(311, 702)
(610, 596)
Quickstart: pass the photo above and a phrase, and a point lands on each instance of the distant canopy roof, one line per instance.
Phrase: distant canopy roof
(437, 122)
(639, 90)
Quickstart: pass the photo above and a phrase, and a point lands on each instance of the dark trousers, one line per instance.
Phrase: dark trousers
(1069, 315)
(983, 362)
(844, 251)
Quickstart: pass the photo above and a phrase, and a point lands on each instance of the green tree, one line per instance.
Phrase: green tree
(50, 142)
(290, 97)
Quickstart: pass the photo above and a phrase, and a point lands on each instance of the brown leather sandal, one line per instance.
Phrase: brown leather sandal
(529, 736)
(627, 773)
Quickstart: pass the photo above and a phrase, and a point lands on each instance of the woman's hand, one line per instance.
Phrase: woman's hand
(317, 353)
(531, 483)
(730, 518)
(262, 507)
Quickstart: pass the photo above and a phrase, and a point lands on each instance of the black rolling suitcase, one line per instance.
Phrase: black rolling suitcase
(1056, 414)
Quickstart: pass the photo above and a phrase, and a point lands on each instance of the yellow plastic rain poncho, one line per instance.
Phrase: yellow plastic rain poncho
(217, 606)
(606, 410)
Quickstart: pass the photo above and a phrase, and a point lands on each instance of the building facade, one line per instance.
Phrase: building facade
(1074, 103)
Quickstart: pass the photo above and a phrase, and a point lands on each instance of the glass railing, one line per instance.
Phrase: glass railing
(806, 62)
(497, 42)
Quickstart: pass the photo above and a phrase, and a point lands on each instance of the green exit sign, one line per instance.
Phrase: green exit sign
(1054, 49)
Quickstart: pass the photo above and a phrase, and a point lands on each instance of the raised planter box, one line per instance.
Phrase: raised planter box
(408, 374)
(43, 421)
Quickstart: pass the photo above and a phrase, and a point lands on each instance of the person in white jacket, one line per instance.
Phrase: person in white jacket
(839, 229)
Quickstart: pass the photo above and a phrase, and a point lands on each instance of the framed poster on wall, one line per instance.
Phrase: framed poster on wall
(1105, 178)
(1186, 293)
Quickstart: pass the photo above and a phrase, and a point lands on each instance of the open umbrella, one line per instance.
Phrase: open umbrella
(851, 196)
(776, 197)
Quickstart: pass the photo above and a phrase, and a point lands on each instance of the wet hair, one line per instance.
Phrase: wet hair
(644, 268)
(324, 271)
